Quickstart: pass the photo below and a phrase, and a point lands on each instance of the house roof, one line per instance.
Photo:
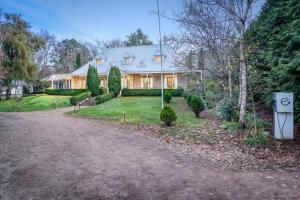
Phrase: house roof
(143, 60)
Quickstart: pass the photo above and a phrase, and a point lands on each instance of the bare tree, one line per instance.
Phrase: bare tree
(207, 27)
(216, 24)
(44, 56)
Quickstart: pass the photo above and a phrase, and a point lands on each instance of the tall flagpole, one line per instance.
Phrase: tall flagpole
(161, 59)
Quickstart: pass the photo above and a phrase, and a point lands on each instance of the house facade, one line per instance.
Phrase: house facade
(140, 68)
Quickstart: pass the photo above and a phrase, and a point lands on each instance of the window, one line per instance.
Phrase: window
(127, 60)
(170, 81)
(146, 82)
(157, 58)
(102, 82)
(99, 61)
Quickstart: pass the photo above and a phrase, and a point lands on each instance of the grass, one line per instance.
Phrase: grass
(140, 110)
(34, 103)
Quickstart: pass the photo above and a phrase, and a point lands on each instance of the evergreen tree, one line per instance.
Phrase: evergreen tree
(93, 81)
(275, 58)
(114, 81)
(78, 61)
(138, 38)
(18, 48)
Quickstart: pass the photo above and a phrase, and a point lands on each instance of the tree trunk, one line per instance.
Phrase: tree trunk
(230, 84)
(243, 86)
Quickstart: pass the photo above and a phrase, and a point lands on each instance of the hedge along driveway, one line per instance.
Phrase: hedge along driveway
(145, 110)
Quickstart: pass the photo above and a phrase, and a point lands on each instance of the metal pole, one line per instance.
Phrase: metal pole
(161, 66)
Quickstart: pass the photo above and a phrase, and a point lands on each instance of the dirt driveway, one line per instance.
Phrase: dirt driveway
(46, 155)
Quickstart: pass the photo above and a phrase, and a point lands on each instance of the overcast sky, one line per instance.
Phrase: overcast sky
(88, 20)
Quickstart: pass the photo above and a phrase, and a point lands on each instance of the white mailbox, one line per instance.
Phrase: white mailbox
(283, 119)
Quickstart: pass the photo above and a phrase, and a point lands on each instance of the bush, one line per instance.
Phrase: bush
(149, 92)
(188, 100)
(93, 81)
(167, 96)
(228, 109)
(197, 105)
(168, 115)
(65, 92)
(80, 97)
(114, 81)
(104, 97)
(259, 139)
(102, 90)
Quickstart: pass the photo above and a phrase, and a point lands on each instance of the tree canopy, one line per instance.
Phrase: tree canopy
(138, 38)
(274, 40)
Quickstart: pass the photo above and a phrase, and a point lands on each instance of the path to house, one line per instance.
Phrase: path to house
(46, 155)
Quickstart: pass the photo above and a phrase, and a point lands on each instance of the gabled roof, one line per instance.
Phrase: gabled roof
(143, 60)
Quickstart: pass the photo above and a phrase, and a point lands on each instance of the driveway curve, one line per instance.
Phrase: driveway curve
(46, 155)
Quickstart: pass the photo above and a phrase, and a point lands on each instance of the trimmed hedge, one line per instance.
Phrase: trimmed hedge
(65, 92)
(80, 97)
(150, 92)
(104, 97)
(168, 115)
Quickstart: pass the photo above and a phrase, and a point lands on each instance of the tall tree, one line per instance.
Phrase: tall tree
(114, 81)
(274, 43)
(78, 61)
(43, 57)
(93, 81)
(138, 38)
(65, 55)
(18, 49)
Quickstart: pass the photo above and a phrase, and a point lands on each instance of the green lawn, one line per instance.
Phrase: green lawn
(145, 110)
(34, 103)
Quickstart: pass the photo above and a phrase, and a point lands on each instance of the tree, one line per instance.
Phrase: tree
(196, 105)
(43, 57)
(138, 38)
(218, 24)
(274, 43)
(18, 50)
(168, 115)
(114, 81)
(78, 61)
(65, 55)
(93, 81)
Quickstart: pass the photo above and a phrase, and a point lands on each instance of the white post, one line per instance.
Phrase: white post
(161, 58)
(52, 82)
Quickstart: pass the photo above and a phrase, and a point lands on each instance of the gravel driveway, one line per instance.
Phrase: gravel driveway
(46, 155)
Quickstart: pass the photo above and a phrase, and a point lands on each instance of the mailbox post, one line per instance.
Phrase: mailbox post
(283, 119)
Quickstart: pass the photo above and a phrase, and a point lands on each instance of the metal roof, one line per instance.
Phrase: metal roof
(143, 60)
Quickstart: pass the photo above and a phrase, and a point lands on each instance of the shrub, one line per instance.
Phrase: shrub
(80, 97)
(167, 96)
(93, 81)
(259, 139)
(114, 81)
(188, 100)
(104, 97)
(102, 90)
(196, 105)
(65, 92)
(149, 92)
(227, 109)
(168, 115)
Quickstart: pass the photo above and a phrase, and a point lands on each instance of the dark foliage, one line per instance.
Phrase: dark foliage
(114, 81)
(80, 97)
(104, 97)
(167, 96)
(168, 115)
(65, 92)
(93, 81)
(275, 42)
(197, 105)
(150, 92)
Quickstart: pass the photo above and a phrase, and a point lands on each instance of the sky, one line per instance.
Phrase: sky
(88, 20)
(91, 20)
